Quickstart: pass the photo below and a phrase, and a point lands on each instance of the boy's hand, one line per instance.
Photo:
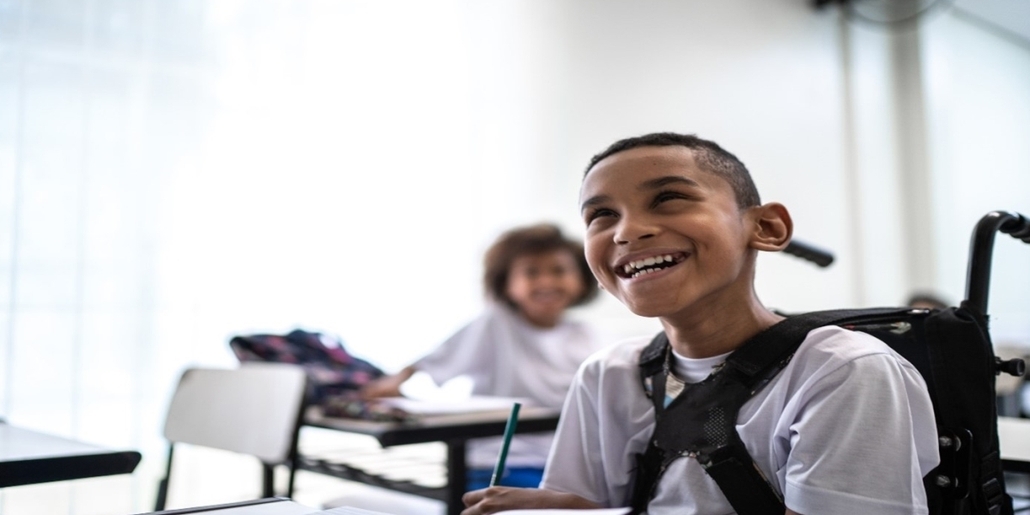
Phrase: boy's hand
(500, 498)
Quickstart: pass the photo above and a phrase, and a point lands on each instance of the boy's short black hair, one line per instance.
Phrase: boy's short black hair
(533, 239)
(709, 155)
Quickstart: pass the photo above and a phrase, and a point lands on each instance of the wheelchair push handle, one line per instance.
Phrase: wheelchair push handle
(820, 257)
(981, 249)
(1018, 227)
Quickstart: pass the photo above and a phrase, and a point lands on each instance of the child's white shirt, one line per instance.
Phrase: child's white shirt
(846, 427)
(506, 356)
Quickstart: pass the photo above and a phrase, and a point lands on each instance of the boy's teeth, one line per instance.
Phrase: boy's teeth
(636, 268)
(645, 272)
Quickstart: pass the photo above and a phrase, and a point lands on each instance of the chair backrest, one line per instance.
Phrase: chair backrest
(254, 409)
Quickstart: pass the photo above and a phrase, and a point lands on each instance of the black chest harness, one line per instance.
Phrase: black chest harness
(700, 423)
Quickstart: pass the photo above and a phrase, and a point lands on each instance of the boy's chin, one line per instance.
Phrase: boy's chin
(648, 310)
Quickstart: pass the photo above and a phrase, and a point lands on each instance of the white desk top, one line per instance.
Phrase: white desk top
(284, 508)
(1014, 438)
(30, 457)
(22, 444)
(270, 506)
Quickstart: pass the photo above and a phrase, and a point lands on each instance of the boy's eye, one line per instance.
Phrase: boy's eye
(667, 196)
(598, 213)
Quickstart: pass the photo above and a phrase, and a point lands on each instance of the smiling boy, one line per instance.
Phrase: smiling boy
(673, 227)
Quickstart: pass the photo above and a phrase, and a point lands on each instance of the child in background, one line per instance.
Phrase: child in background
(521, 346)
(673, 228)
(926, 300)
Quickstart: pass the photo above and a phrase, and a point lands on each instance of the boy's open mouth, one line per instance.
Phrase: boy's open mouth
(649, 265)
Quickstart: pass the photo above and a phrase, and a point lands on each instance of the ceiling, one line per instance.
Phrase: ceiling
(1008, 17)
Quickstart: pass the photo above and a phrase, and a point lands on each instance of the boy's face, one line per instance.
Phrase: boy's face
(664, 236)
(544, 285)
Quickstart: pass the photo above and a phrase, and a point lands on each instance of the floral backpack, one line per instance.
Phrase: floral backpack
(332, 371)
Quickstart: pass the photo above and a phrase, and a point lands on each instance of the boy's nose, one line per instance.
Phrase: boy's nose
(632, 229)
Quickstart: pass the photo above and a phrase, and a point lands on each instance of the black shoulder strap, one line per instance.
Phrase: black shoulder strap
(652, 360)
(769, 347)
(753, 365)
(779, 342)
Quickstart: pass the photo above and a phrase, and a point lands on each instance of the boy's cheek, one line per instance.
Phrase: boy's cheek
(602, 278)
(594, 260)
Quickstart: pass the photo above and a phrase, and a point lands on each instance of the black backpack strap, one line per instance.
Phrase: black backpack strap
(752, 366)
(652, 361)
(779, 342)
(742, 482)
(649, 463)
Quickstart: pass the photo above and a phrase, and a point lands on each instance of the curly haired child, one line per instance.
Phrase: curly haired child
(532, 275)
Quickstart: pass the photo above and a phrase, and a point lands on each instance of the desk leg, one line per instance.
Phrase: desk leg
(456, 472)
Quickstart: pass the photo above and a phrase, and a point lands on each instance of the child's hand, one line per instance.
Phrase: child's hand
(386, 386)
(500, 498)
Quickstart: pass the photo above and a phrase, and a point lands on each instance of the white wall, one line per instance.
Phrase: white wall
(172, 173)
(978, 90)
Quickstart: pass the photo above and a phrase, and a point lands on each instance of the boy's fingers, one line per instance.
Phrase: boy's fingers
(473, 497)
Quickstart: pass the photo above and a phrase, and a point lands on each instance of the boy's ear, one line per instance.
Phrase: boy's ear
(772, 227)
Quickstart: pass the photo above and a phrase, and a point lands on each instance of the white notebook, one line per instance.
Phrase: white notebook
(451, 406)
(343, 510)
(600, 511)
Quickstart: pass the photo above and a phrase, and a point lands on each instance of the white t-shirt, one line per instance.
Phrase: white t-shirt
(506, 356)
(846, 427)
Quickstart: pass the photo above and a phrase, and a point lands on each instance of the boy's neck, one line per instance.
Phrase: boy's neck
(703, 335)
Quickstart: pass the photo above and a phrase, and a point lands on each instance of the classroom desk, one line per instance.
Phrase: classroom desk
(269, 506)
(453, 430)
(1014, 440)
(30, 457)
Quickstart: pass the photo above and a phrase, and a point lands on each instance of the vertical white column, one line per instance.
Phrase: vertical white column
(16, 200)
(851, 172)
(913, 169)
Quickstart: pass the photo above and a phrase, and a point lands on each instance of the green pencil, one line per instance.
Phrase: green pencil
(509, 431)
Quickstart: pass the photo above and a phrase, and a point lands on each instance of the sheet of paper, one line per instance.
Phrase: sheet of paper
(269, 508)
(601, 511)
(345, 510)
(450, 406)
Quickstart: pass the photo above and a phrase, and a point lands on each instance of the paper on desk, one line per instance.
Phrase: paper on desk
(451, 406)
(599, 511)
(345, 510)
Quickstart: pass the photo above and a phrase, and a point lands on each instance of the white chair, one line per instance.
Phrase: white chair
(255, 409)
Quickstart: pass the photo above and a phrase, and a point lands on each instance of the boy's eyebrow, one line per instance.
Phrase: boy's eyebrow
(592, 201)
(646, 185)
(667, 180)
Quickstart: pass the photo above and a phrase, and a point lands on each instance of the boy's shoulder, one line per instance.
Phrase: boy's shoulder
(839, 345)
(616, 362)
(835, 353)
(624, 353)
